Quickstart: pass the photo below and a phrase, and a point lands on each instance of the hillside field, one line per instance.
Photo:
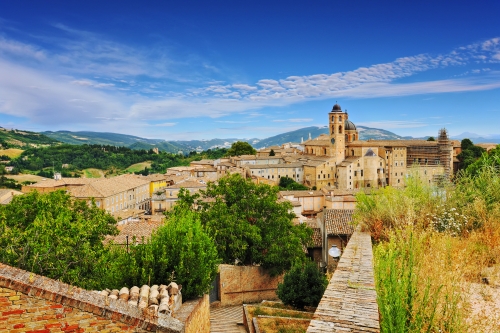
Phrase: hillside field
(25, 177)
(11, 152)
(93, 173)
(138, 166)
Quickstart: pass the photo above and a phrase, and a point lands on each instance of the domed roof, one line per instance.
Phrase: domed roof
(336, 108)
(349, 125)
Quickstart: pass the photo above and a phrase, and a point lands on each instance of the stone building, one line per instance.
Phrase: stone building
(352, 163)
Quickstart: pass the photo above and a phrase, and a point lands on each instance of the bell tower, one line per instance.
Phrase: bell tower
(336, 120)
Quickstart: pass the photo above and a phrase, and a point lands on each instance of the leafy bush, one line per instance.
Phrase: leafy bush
(178, 251)
(304, 285)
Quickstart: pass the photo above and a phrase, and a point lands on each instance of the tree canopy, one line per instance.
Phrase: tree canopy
(55, 236)
(470, 153)
(287, 183)
(247, 223)
(178, 251)
(239, 148)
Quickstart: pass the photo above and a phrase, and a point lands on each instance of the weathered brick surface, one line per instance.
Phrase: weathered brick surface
(246, 284)
(349, 303)
(35, 304)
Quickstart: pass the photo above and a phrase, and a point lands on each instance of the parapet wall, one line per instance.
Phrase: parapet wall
(349, 303)
(33, 303)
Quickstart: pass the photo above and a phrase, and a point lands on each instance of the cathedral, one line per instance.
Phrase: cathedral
(350, 163)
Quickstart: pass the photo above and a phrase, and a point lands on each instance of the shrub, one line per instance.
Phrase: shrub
(302, 286)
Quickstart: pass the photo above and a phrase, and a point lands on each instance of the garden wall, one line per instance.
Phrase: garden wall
(246, 284)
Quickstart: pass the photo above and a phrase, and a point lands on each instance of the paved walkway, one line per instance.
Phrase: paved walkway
(226, 319)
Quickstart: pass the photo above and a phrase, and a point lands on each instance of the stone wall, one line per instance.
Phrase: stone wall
(35, 304)
(195, 315)
(349, 303)
(246, 284)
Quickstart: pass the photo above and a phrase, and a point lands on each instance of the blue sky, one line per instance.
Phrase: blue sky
(245, 69)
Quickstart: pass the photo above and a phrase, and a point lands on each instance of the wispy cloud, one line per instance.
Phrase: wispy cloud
(86, 75)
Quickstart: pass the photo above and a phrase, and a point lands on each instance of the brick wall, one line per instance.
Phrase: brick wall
(349, 303)
(246, 284)
(34, 304)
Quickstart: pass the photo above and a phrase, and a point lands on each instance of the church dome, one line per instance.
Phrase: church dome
(349, 125)
(336, 108)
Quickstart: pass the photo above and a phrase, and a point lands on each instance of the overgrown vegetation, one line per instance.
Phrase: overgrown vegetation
(430, 243)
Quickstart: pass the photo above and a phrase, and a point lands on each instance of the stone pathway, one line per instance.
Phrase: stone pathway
(226, 319)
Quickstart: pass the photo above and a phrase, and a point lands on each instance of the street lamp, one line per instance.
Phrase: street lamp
(334, 252)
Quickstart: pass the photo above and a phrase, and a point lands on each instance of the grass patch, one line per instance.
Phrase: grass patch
(282, 325)
(93, 173)
(11, 152)
(139, 167)
(25, 177)
(431, 246)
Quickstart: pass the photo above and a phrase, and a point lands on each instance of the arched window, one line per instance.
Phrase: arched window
(354, 137)
(352, 152)
(340, 129)
(346, 138)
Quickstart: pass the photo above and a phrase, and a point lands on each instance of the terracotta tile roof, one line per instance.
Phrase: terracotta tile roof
(316, 236)
(157, 299)
(127, 213)
(134, 229)
(155, 177)
(188, 184)
(64, 182)
(304, 193)
(40, 287)
(105, 187)
(7, 194)
(269, 166)
(338, 221)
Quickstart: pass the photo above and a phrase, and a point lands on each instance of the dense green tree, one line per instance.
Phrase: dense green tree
(272, 153)
(180, 250)
(55, 236)
(304, 285)
(247, 223)
(239, 148)
(431, 138)
(490, 159)
(287, 183)
(470, 153)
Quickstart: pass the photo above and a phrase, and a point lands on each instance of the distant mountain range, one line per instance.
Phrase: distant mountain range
(303, 134)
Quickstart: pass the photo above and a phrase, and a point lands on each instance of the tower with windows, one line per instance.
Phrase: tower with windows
(337, 119)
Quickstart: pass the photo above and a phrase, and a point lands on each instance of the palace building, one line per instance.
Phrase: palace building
(350, 163)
